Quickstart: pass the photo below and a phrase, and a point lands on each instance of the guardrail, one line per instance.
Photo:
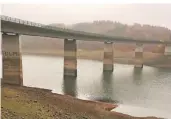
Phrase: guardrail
(49, 27)
(29, 23)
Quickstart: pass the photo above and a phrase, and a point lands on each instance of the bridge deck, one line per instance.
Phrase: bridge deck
(14, 25)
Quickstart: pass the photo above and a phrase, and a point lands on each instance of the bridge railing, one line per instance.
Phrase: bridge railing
(82, 33)
(16, 20)
(29, 23)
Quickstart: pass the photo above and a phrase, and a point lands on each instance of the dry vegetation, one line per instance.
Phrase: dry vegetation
(34, 103)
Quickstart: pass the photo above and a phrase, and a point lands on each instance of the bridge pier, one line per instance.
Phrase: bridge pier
(167, 50)
(108, 57)
(70, 58)
(139, 55)
(11, 60)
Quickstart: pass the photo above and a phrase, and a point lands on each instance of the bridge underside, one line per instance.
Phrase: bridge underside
(11, 60)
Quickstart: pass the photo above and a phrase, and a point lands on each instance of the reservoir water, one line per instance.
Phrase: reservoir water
(147, 88)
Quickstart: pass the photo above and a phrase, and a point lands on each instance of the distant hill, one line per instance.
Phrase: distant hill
(118, 29)
(136, 31)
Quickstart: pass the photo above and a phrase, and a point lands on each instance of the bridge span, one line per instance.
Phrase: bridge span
(11, 55)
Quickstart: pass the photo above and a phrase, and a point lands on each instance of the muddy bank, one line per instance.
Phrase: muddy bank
(149, 59)
(34, 103)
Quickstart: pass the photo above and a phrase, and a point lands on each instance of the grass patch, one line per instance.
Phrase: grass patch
(22, 105)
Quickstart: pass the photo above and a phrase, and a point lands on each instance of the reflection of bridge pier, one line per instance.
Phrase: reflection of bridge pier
(11, 60)
(137, 74)
(107, 88)
(139, 55)
(69, 86)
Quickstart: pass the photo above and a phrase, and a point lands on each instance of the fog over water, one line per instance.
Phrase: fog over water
(146, 88)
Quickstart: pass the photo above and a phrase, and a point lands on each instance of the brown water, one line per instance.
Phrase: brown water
(147, 88)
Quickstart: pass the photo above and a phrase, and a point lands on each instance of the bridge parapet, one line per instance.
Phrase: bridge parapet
(52, 31)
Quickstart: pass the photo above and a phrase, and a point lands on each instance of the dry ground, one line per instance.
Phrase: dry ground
(34, 103)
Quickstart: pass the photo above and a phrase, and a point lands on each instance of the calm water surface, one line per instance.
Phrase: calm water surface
(147, 88)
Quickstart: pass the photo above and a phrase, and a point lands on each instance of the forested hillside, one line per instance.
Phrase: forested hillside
(118, 29)
(136, 31)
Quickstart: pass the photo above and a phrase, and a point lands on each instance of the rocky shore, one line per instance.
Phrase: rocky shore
(34, 103)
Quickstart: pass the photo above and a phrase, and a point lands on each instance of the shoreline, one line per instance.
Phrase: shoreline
(118, 60)
(43, 100)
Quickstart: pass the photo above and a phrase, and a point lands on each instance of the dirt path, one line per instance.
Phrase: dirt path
(34, 103)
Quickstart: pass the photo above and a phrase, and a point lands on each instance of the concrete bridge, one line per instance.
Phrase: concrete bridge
(12, 28)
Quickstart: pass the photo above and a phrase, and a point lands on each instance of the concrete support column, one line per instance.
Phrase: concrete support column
(139, 55)
(167, 51)
(11, 60)
(70, 58)
(108, 57)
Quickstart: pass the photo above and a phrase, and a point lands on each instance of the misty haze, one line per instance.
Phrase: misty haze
(115, 58)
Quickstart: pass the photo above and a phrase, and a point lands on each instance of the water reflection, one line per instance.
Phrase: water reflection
(107, 82)
(70, 86)
(137, 75)
(107, 86)
(163, 70)
(147, 87)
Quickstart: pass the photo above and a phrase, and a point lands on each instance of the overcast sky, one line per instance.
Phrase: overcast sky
(153, 14)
